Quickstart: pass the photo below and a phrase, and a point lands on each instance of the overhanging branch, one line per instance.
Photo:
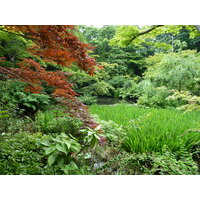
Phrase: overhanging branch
(15, 75)
(145, 32)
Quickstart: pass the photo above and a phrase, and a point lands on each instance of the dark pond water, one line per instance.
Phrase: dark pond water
(110, 101)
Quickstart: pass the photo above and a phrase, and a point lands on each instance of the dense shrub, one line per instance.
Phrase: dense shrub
(154, 97)
(20, 154)
(118, 81)
(88, 99)
(129, 90)
(37, 154)
(184, 100)
(102, 88)
(13, 92)
(179, 71)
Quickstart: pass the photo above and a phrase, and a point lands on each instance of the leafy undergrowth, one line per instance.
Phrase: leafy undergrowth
(129, 140)
(152, 141)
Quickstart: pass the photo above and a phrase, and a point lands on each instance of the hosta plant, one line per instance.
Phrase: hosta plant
(61, 151)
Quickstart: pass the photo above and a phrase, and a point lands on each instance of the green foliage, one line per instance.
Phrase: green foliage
(179, 98)
(124, 34)
(34, 101)
(113, 132)
(190, 107)
(171, 70)
(128, 59)
(62, 151)
(167, 163)
(56, 122)
(91, 136)
(148, 133)
(12, 47)
(21, 155)
(150, 164)
(59, 149)
(138, 140)
(88, 99)
(91, 86)
(191, 140)
(81, 79)
(13, 92)
(10, 121)
(185, 100)
(149, 130)
(129, 90)
(117, 81)
(102, 88)
(156, 37)
(154, 97)
(6, 115)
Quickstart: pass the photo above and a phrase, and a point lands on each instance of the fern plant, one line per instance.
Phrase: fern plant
(13, 93)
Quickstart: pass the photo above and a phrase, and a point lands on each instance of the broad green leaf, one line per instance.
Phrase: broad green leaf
(68, 144)
(45, 143)
(52, 158)
(61, 148)
(76, 147)
(50, 150)
(72, 166)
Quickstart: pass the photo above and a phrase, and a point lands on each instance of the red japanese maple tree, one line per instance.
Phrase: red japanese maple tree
(56, 44)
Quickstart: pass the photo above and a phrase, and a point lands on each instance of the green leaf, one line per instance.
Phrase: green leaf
(76, 147)
(68, 144)
(57, 140)
(45, 143)
(61, 148)
(50, 150)
(90, 133)
(72, 166)
(93, 142)
(52, 158)
(96, 136)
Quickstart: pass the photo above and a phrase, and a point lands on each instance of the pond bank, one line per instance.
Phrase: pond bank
(111, 100)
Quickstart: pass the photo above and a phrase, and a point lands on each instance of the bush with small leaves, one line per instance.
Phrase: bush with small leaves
(153, 163)
(20, 154)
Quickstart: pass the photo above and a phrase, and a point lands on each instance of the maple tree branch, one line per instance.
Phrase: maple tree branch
(145, 32)
(9, 72)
